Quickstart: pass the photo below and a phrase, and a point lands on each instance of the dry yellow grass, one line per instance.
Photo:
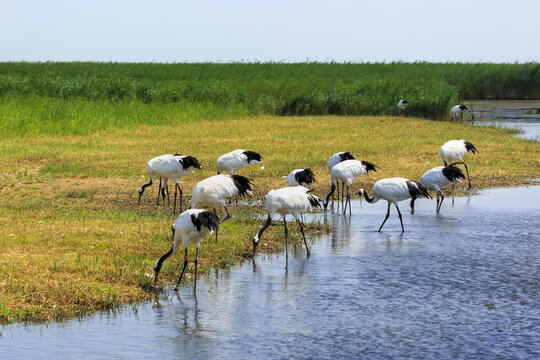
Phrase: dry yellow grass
(72, 238)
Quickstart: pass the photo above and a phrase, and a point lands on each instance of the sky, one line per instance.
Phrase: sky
(273, 30)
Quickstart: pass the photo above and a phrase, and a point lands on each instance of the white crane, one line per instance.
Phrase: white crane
(236, 160)
(287, 201)
(333, 161)
(458, 111)
(437, 178)
(172, 167)
(191, 225)
(402, 105)
(218, 188)
(347, 171)
(454, 150)
(394, 190)
(303, 177)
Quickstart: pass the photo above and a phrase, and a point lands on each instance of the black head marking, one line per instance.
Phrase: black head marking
(417, 190)
(346, 156)
(369, 166)
(462, 107)
(305, 176)
(243, 184)
(205, 219)
(190, 161)
(453, 173)
(252, 155)
(470, 147)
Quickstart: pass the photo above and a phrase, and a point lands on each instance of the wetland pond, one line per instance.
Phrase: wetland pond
(460, 284)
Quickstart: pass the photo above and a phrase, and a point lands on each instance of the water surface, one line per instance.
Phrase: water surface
(460, 284)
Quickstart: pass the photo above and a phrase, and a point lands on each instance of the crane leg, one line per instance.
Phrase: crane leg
(286, 240)
(337, 185)
(400, 219)
(159, 191)
(196, 262)
(217, 217)
(228, 215)
(183, 269)
(386, 218)
(347, 201)
(343, 192)
(304, 236)
(442, 198)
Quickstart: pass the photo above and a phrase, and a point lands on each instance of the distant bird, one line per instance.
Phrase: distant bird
(236, 160)
(191, 225)
(454, 150)
(172, 167)
(347, 171)
(287, 201)
(216, 189)
(437, 178)
(336, 159)
(302, 177)
(394, 190)
(402, 105)
(458, 111)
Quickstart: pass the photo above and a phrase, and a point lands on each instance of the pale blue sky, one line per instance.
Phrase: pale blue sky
(292, 30)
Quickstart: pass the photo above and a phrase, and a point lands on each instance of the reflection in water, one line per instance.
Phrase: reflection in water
(462, 283)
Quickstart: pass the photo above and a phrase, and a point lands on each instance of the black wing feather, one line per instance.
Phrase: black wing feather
(243, 184)
(305, 176)
(205, 218)
(417, 190)
(252, 155)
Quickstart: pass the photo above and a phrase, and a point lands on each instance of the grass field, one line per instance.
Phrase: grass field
(73, 240)
(279, 89)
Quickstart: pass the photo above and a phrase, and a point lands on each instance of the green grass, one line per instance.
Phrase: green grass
(265, 88)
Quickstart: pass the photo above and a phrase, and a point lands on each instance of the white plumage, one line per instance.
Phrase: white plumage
(439, 177)
(336, 159)
(236, 160)
(191, 225)
(394, 190)
(402, 105)
(303, 177)
(287, 201)
(172, 167)
(216, 189)
(458, 111)
(347, 171)
(454, 150)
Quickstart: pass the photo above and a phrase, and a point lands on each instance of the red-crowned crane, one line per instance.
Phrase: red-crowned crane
(236, 160)
(394, 190)
(347, 171)
(458, 111)
(216, 189)
(402, 105)
(303, 177)
(191, 225)
(172, 167)
(287, 201)
(336, 159)
(437, 178)
(454, 150)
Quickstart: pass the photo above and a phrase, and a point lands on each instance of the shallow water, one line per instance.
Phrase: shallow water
(510, 114)
(460, 284)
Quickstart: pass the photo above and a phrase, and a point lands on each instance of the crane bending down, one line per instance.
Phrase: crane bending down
(394, 190)
(287, 201)
(172, 167)
(235, 160)
(218, 188)
(437, 178)
(333, 161)
(347, 171)
(191, 225)
(454, 150)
